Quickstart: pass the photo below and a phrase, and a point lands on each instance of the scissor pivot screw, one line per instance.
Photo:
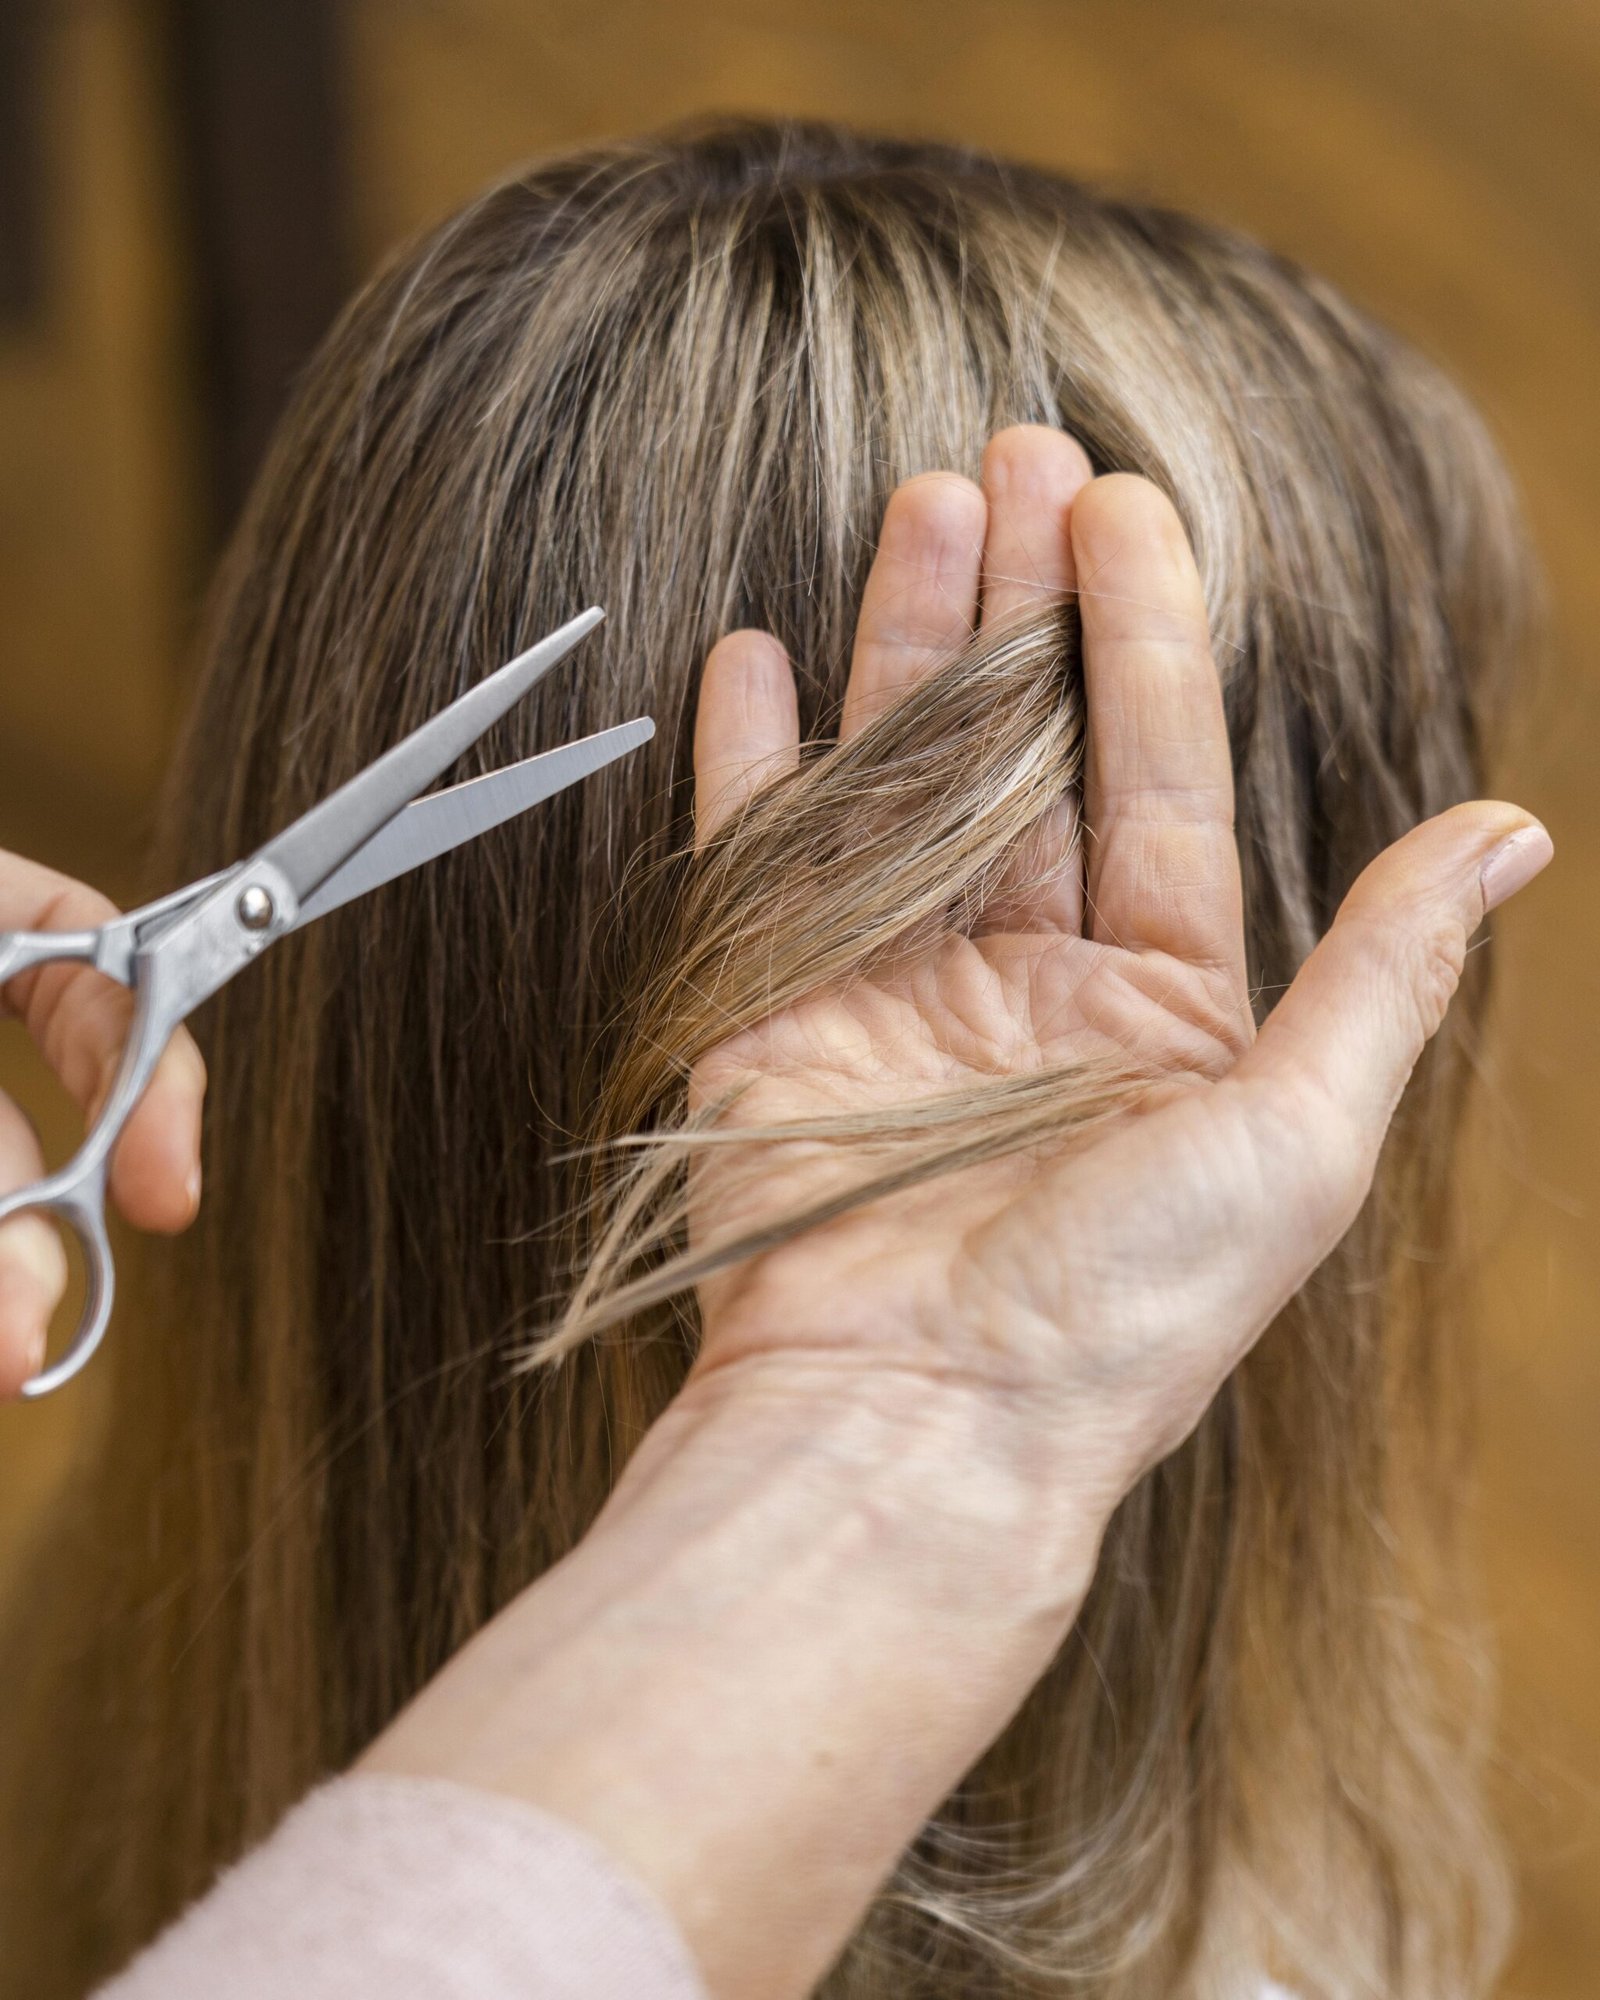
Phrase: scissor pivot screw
(255, 908)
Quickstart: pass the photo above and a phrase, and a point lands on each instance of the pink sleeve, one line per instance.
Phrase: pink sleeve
(385, 1888)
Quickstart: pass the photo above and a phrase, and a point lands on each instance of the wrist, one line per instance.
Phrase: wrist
(951, 1491)
(814, 1599)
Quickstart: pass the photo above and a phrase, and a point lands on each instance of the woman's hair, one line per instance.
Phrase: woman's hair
(679, 378)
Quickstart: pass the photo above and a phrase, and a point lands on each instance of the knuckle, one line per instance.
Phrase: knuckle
(70, 906)
(1320, 1146)
(79, 1022)
(1428, 966)
(1227, 1015)
(75, 907)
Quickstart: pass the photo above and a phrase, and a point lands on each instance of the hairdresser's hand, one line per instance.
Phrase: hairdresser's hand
(79, 1021)
(1095, 1299)
(835, 1566)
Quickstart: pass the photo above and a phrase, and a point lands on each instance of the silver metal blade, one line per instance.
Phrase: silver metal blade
(308, 852)
(433, 825)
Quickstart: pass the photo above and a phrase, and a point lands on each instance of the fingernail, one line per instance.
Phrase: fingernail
(191, 1188)
(33, 1361)
(1514, 863)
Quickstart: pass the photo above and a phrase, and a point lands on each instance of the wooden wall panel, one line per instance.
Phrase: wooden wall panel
(93, 454)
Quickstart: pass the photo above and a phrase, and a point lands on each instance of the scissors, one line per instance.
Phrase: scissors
(177, 952)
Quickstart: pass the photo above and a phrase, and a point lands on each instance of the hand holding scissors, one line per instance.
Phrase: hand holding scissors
(175, 953)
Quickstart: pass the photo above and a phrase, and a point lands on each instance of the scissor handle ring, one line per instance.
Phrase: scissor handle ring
(75, 1200)
(75, 1195)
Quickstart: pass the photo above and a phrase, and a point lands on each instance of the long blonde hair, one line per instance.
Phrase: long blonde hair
(679, 378)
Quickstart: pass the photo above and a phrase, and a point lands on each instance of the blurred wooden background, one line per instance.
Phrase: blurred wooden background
(186, 186)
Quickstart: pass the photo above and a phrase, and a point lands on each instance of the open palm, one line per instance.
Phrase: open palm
(1139, 1266)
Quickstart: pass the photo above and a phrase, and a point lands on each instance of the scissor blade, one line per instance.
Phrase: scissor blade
(433, 825)
(331, 833)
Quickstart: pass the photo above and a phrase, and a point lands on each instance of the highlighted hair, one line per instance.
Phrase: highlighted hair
(679, 378)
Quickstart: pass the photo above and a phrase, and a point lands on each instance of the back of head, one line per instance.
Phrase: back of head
(679, 379)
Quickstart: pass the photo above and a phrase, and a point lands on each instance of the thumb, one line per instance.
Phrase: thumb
(1347, 1034)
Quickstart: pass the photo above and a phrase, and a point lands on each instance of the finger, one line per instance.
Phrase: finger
(747, 727)
(33, 1265)
(1182, 1234)
(1335, 1053)
(1163, 869)
(1041, 885)
(1031, 477)
(79, 1021)
(921, 599)
(155, 1168)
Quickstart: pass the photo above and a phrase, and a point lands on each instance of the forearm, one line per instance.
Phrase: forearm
(806, 1611)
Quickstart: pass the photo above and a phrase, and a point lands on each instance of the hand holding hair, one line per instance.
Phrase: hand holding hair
(833, 1570)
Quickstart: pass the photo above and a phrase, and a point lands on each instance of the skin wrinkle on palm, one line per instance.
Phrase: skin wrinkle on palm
(1045, 457)
(777, 747)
